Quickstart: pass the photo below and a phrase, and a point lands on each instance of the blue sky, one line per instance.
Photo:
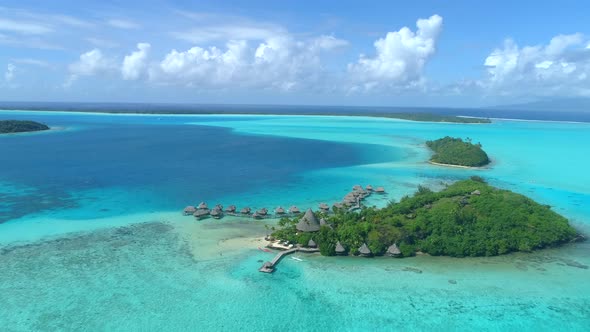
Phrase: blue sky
(420, 53)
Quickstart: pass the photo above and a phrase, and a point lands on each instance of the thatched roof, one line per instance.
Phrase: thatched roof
(337, 205)
(357, 187)
(308, 223)
(231, 208)
(257, 215)
(215, 212)
(477, 192)
(311, 243)
(324, 206)
(245, 210)
(369, 187)
(203, 205)
(201, 213)
(294, 209)
(189, 209)
(339, 248)
(393, 250)
(280, 210)
(364, 250)
(380, 190)
(262, 211)
(219, 207)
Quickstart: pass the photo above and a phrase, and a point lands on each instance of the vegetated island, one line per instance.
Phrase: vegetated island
(411, 114)
(468, 218)
(456, 152)
(20, 126)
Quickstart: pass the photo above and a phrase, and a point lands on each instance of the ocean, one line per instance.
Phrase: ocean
(92, 237)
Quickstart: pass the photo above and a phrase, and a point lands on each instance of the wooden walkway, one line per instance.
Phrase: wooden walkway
(269, 267)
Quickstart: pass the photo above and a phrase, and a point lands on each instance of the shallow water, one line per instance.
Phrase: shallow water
(91, 227)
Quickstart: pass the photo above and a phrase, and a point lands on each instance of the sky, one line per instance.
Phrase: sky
(382, 53)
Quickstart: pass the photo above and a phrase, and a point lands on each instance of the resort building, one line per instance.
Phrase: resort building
(308, 223)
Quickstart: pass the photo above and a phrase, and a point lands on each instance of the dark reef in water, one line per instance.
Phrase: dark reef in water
(20, 126)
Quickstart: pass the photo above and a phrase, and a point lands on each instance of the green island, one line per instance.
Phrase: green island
(467, 218)
(456, 152)
(20, 126)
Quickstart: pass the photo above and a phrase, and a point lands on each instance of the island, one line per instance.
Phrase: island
(449, 151)
(20, 126)
(467, 218)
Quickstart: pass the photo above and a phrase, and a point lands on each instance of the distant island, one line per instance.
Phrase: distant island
(468, 218)
(456, 152)
(20, 126)
(404, 113)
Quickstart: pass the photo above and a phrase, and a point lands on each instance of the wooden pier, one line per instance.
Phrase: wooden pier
(269, 267)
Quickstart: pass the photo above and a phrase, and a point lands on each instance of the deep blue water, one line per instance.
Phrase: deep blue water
(181, 162)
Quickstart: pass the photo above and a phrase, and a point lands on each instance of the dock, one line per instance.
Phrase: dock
(269, 267)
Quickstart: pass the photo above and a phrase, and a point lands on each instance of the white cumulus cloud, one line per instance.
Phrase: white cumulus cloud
(90, 63)
(400, 57)
(135, 63)
(9, 74)
(277, 61)
(561, 67)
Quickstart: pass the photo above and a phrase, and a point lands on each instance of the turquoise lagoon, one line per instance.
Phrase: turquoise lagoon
(91, 237)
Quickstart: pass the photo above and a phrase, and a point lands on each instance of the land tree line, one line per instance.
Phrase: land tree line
(20, 126)
(455, 151)
(467, 218)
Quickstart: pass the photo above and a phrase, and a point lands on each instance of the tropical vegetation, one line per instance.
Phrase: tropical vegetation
(467, 218)
(455, 151)
(19, 126)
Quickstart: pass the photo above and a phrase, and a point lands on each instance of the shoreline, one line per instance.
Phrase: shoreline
(460, 166)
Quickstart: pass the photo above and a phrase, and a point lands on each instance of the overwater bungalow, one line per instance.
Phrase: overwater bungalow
(369, 187)
(365, 251)
(201, 213)
(280, 210)
(219, 207)
(262, 212)
(189, 210)
(203, 205)
(257, 215)
(325, 207)
(294, 209)
(394, 251)
(340, 249)
(231, 209)
(308, 223)
(216, 213)
(380, 190)
(311, 244)
(245, 210)
(357, 187)
(338, 205)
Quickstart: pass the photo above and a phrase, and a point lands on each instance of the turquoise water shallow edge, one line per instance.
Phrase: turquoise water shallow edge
(98, 244)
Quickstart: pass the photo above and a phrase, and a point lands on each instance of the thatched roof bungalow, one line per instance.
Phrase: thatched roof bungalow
(189, 210)
(324, 207)
(369, 187)
(294, 209)
(280, 210)
(308, 223)
(231, 209)
(357, 187)
(365, 251)
(393, 251)
(312, 244)
(216, 213)
(262, 212)
(380, 190)
(219, 207)
(257, 215)
(245, 210)
(340, 249)
(201, 213)
(203, 205)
